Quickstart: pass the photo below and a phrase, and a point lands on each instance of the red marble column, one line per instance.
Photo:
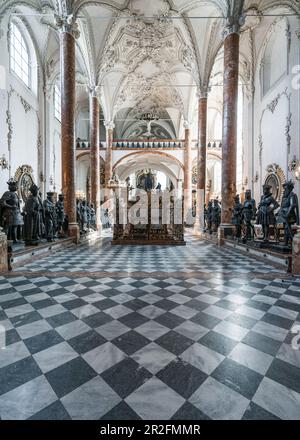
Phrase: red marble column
(95, 155)
(187, 184)
(67, 54)
(229, 142)
(201, 159)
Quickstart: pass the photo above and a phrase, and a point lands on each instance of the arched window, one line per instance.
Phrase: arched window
(57, 103)
(275, 59)
(19, 55)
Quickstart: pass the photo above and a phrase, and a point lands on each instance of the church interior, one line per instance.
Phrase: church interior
(149, 212)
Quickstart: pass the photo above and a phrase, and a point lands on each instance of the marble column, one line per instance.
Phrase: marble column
(229, 137)
(68, 33)
(108, 156)
(95, 155)
(3, 253)
(187, 183)
(201, 160)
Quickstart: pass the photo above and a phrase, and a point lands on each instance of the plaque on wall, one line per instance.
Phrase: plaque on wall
(24, 177)
(275, 179)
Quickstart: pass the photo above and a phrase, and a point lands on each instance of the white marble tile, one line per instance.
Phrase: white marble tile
(47, 312)
(33, 328)
(103, 357)
(251, 358)
(72, 329)
(152, 330)
(84, 311)
(154, 400)
(54, 356)
(284, 313)
(272, 331)
(153, 357)
(112, 330)
(250, 311)
(118, 311)
(206, 298)
(14, 405)
(184, 312)
(217, 312)
(122, 298)
(278, 399)
(218, 401)
(151, 311)
(264, 299)
(288, 354)
(19, 310)
(91, 400)
(13, 353)
(191, 330)
(202, 357)
(231, 330)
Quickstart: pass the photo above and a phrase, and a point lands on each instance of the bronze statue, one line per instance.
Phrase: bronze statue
(209, 216)
(11, 219)
(32, 214)
(50, 217)
(249, 212)
(237, 216)
(83, 217)
(216, 215)
(265, 212)
(60, 215)
(92, 216)
(289, 211)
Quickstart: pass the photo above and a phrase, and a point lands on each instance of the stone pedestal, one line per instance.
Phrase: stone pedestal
(95, 156)
(67, 54)
(296, 255)
(3, 252)
(224, 230)
(229, 141)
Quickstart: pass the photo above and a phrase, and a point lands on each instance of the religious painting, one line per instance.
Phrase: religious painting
(24, 178)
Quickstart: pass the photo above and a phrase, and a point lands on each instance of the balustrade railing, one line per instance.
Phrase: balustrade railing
(124, 144)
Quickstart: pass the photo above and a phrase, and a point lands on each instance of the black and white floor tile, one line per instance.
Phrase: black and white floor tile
(109, 332)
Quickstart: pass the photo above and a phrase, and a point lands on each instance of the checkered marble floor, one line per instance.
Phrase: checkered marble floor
(143, 332)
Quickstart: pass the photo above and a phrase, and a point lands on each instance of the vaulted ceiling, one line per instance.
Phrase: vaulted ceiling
(143, 56)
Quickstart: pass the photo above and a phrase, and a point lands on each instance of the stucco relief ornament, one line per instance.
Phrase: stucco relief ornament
(67, 24)
(233, 25)
(273, 104)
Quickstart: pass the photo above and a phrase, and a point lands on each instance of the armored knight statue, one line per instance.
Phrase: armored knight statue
(248, 214)
(289, 211)
(11, 219)
(78, 212)
(237, 216)
(50, 217)
(148, 182)
(32, 214)
(265, 212)
(83, 216)
(216, 215)
(93, 216)
(60, 215)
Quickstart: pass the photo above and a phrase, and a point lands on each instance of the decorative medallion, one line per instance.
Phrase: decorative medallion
(275, 179)
(24, 177)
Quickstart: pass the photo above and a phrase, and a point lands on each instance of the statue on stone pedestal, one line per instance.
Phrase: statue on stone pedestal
(32, 213)
(249, 212)
(216, 215)
(93, 216)
(11, 219)
(237, 216)
(50, 217)
(60, 215)
(265, 212)
(289, 211)
(83, 216)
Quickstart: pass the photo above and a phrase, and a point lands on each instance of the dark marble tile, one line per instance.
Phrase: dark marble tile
(196, 304)
(70, 376)
(239, 378)
(27, 318)
(205, 320)
(278, 321)
(258, 305)
(189, 412)
(42, 341)
(130, 342)
(13, 303)
(104, 304)
(74, 303)
(166, 304)
(126, 376)
(262, 343)
(121, 412)
(97, 319)
(217, 342)
(174, 342)
(136, 304)
(169, 320)
(44, 303)
(11, 336)
(241, 320)
(55, 411)
(285, 373)
(133, 320)
(256, 412)
(61, 319)
(18, 373)
(86, 342)
(229, 305)
(182, 377)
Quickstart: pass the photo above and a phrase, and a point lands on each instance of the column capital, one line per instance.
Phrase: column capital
(109, 125)
(202, 92)
(94, 91)
(233, 25)
(67, 24)
(187, 124)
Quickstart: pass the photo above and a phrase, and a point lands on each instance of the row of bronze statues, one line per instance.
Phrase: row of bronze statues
(85, 216)
(244, 215)
(37, 220)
